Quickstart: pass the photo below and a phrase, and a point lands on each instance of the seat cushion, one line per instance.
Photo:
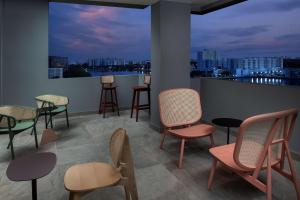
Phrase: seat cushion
(199, 130)
(20, 126)
(59, 109)
(90, 176)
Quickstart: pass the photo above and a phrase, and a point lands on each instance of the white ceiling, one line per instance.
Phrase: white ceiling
(197, 6)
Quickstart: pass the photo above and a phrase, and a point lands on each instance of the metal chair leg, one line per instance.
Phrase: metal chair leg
(67, 118)
(35, 137)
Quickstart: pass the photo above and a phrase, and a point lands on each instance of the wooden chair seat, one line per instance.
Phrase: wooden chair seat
(141, 88)
(90, 176)
(196, 131)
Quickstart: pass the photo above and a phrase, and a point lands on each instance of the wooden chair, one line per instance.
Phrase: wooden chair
(261, 144)
(136, 97)
(108, 86)
(180, 110)
(83, 178)
(51, 105)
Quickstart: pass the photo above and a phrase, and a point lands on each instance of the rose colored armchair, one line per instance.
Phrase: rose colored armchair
(261, 144)
(180, 110)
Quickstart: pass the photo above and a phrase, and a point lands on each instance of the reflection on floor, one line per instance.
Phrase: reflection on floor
(156, 172)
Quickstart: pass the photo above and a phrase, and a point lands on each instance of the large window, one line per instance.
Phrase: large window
(86, 41)
(255, 42)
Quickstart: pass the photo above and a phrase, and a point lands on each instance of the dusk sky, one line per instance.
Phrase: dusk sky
(252, 28)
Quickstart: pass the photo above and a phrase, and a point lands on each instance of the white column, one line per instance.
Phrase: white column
(170, 50)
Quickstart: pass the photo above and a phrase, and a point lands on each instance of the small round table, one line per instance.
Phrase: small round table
(31, 168)
(227, 122)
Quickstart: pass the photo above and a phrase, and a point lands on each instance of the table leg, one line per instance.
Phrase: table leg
(34, 190)
(228, 131)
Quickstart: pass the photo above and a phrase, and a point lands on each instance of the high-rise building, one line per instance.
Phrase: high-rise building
(207, 60)
(58, 62)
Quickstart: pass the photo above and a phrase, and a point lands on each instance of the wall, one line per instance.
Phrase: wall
(240, 100)
(25, 61)
(1, 29)
(170, 50)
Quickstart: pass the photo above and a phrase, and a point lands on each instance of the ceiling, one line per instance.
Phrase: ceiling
(197, 6)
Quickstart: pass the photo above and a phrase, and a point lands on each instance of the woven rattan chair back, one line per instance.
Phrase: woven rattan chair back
(258, 133)
(147, 80)
(179, 107)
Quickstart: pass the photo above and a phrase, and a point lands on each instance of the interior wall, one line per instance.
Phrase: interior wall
(222, 98)
(25, 57)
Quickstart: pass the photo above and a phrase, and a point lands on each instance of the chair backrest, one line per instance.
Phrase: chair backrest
(107, 79)
(259, 133)
(179, 107)
(7, 122)
(49, 100)
(147, 80)
(121, 155)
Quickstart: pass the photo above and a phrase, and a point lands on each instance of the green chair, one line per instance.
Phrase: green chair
(16, 119)
(51, 105)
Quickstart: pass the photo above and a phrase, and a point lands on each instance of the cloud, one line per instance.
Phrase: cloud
(246, 31)
(289, 37)
(98, 13)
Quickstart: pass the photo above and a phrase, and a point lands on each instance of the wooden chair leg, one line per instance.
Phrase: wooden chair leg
(127, 194)
(133, 103)
(112, 100)
(105, 102)
(212, 173)
(181, 153)
(212, 143)
(74, 196)
(117, 103)
(293, 170)
(100, 104)
(162, 140)
(137, 106)
(269, 176)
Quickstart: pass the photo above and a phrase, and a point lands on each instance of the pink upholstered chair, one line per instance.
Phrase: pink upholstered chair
(261, 144)
(180, 110)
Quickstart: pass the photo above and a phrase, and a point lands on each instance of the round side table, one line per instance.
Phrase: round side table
(31, 168)
(227, 122)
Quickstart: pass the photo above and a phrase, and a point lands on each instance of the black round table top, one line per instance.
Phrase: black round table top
(227, 122)
(32, 166)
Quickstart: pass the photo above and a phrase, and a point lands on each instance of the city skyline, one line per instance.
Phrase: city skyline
(245, 30)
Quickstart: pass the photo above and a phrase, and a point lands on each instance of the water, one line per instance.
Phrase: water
(270, 81)
(95, 74)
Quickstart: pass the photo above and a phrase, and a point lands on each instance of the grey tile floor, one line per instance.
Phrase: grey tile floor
(158, 177)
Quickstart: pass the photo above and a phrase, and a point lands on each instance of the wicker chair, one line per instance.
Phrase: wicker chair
(16, 119)
(180, 110)
(83, 178)
(52, 105)
(262, 143)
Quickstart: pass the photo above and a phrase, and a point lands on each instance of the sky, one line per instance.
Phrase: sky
(252, 28)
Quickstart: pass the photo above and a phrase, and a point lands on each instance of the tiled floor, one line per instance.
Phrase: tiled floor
(156, 172)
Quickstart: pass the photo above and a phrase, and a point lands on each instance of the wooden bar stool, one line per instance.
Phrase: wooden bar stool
(136, 97)
(108, 87)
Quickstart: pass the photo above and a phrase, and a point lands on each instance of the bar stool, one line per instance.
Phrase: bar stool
(136, 97)
(108, 87)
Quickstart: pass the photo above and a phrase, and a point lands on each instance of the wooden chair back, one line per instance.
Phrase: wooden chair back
(179, 107)
(262, 133)
(122, 158)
